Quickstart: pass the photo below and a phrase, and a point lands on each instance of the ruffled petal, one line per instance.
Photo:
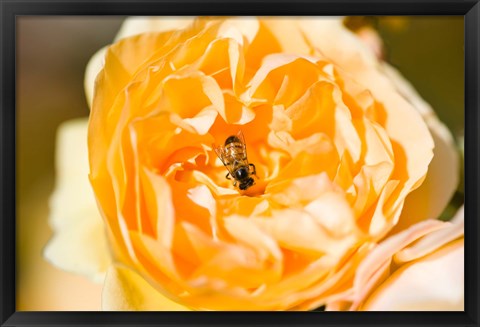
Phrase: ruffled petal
(144, 24)
(442, 179)
(413, 150)
(432, 283)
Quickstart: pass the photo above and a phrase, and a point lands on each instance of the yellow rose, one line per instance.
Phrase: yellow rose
(337, 138)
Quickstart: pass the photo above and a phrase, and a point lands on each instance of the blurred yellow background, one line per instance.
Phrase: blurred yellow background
(52, 53)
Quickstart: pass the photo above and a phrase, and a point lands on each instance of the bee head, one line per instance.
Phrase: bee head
(246, 184)
(241, 173)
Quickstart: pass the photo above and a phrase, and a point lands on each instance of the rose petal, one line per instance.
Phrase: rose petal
(94, 66)
(435, 282)
(79, 243)
(81, 248)
(239, 28)
(188, 94)
(161, 211)
(384, 252)
(237, 113)
(287, 33)
(124, 290)
(298, 231)
(202, 196)
(293, 192)
(434, 240)
(370, 37)
(122, 61)
(431, 198)
(335, 288)
(351, 55)
(333, 212)
(72, 189)
(411, 244)
(246, 232)
(137, 25)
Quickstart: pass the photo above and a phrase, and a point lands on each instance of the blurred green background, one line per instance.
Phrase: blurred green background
(52, 53)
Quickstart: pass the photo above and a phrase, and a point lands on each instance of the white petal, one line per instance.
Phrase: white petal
(79, 243)
(80, 248)
(125, 290)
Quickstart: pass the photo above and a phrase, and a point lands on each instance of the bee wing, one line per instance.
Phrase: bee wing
(242, 140)
(219, 151)
(221, 154)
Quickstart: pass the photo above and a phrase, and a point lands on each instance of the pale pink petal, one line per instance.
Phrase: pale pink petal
(434, 240)
(384, 252)
(370, 37)
(432, 283)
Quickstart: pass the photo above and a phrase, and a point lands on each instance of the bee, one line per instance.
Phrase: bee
(233, 155)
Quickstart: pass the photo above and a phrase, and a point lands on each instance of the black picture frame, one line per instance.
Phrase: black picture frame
(10, 9)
